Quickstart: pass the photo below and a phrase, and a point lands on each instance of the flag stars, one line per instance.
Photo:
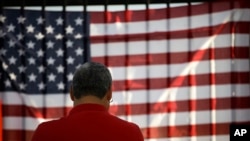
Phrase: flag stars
(49, 30)
(51, 77)
(41, 86)
(31, 61)
(21, 52)
(20, 36)
(70, 60)
(60, 69)
(60, 86)
(41, 69)
(12, 60)
(59, 36)
(70, 76)
(22, 86)
(40, 53)
(79, 21)
(78, 36)
(3, 51)
(21, 69)
(21, 19)
(59, 21)
(11, 43)
(30, 29)
(7, 83)
(79, 51)
(30, 45)
(32, 77)
(39, 36)
(12, 76)
(2, 18)
(50, 44)
(69, 43)
(51, 61)
(69, 29)
(59, 52)
(11, 28)
(40, 20)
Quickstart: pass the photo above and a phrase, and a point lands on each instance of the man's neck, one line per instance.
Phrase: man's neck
(91, 100)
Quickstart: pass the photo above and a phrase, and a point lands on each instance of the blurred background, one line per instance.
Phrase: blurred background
(180, 68)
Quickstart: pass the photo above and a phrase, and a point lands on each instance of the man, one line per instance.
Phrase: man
(89, 119)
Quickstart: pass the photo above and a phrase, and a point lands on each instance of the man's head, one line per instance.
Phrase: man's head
(92, 81)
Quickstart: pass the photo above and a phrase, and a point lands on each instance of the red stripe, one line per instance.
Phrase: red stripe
(27, 111)
(156, 14)
(181, 81)
(174, 57)
(136, 109)
(181, 106)
(17, 135)
(242, 27)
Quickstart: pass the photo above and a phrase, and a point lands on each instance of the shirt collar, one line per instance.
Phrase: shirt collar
(87, 107)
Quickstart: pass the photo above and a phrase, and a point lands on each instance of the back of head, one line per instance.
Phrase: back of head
(91, 78)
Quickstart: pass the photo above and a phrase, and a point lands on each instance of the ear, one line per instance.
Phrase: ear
(72, 97)
(109, 94)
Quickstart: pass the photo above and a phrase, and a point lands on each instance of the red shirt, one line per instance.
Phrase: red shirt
(88, 122)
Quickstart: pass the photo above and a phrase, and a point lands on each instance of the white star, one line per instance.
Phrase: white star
(20, 36)
(69, 29)
(51, 77)
(2, 18)
(30, 29)
(79, 51)
(40, 20)
(50, 44)
(60, 69)
(60, 86)
(50, 61)
(21, 20)
(40, 53)
(12, 60)
(41, 69)
(59, 21)
(78, 36)
(31, 45)
(12, 76)
(5, 66)
(70, 76)
(22, 86)
(49, 29)
(78, 21)
(7, 83)
(11, 43)
(70, 60)
(2, 34)
(21, 52)
(32, 77)
(59, 36)
(69, 43)
(59, 52)
(41, 86)
(39, 36)
(32, 61)
(22, 69)
(3, 51)
(11, 28)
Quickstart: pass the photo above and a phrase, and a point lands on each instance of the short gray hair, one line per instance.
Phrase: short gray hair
(91, 78)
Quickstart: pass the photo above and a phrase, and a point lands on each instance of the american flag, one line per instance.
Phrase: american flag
(180, 73)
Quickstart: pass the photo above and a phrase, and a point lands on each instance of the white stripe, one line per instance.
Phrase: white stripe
(171, 46)
(175, 23)
(154, 120)
(199, 138)
(182, 118)
(175, 70)
(36, 100)
(176, 94)
(132, 96)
